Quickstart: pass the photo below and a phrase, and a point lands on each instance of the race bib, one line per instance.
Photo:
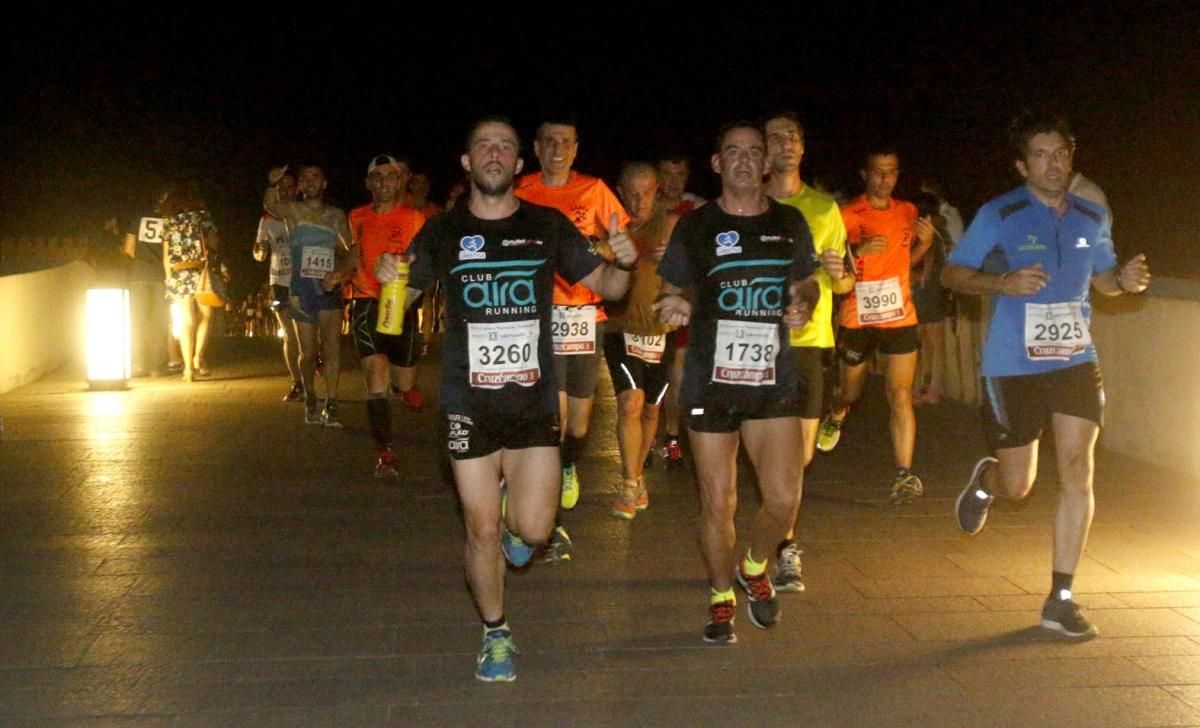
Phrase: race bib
(745, 353)
(573, 329)
(647, 348)
(504, 352)
(281, 263)
(879, 301)
(150, 230)
(315, 261)
(1055, 331)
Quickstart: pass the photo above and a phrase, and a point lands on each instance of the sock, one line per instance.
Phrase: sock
(902, 471)
(784, 544)
(716, 597)
(570, 450)
(379, 415)
(750, 567)
(1060, 585)
(500, 623)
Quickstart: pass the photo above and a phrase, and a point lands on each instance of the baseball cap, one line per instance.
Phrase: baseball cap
(382, 160)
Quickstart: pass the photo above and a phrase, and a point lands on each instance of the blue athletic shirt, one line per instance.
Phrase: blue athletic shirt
(1016, 230)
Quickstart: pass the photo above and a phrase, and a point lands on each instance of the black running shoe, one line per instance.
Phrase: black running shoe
(719, 630)
(761, 604)
(1063, 616)
(971, 508)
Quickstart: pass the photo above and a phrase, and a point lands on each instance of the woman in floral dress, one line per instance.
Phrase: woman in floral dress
(189, 239)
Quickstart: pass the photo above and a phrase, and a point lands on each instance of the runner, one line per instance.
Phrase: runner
(635, 341)
(878, 313)
(496, 256)
(673, 173)
(271, 244)
(814, 343)
(384, 226)
(320, 240)
(579, 318)
(1039, 364)
(748, 263)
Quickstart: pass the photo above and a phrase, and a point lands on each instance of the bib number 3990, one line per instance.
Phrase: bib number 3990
(504, 352)
(1055, 331)
(879, 301)
(745, 353)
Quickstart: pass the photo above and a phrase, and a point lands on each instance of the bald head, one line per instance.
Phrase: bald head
(637, 186)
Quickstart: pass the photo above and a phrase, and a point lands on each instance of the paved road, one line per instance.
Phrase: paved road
(180, 555)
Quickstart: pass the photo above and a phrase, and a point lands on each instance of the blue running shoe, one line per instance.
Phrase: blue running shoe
(515, 550)
(496, 657)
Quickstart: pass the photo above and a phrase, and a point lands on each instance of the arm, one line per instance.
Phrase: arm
(1133, 277)
(129, 244)
(611, 280)
(1021, 282)
(262, 245)
(923, 232)
(672, 306)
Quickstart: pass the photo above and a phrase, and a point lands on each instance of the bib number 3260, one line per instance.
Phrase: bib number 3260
(504, 352)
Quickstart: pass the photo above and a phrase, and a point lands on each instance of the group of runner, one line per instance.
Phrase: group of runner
(542, 272)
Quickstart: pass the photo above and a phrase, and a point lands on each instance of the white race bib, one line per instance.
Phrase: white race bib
(745, 353)
(315, 261)
(573, 329)
(1055, 331)
(504, 352)
(879, 301)
(150, 230)
(281, 264)
(648, 348)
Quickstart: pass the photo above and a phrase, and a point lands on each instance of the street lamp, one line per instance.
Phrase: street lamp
(108, 338)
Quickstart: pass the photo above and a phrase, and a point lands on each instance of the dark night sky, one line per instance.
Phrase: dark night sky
(101, 104)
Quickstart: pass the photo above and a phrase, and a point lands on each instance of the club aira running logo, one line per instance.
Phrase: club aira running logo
(471, 247)
(727, 243)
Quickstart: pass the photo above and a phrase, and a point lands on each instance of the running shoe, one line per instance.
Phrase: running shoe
(559, 548)
(570, 488)
(626, 504)
(673, 452)
(906, 488)
(495, 662)
(295, 394)
(312, 413)
(761, 604)
(788, 577)
(829, 434)
(719, 630)
(413, 399)
(971, 508)
(1063, 616)
(385, 464)
(643, 501)
(515, 550)
(329, 416)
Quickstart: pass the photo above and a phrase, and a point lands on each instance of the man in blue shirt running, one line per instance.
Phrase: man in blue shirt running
(1039, 250)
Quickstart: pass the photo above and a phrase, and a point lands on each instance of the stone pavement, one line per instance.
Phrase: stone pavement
(180, 555)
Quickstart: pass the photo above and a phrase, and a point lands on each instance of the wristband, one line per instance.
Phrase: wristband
(627, 268)
(1121, 286)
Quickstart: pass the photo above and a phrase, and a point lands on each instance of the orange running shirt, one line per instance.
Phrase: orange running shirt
(896, 222)
(588, 203)
(377, 233)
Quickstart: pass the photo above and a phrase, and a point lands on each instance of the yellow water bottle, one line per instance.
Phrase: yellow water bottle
(391, 303)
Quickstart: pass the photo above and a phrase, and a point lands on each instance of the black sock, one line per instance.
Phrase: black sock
(569, 450)
(784, 544)
(1060, 581)
(379, 414)
(495, 624)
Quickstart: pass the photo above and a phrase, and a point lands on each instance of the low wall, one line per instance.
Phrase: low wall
(41, 318)
(1150, 377)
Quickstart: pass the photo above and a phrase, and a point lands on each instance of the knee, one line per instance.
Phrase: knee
(718, 504)
(631, 403)
(534, 530)
(899, 397)
(1076, 474)
(1014, 485)
(482, 535)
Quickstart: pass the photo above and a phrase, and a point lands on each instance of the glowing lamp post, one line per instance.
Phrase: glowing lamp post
(108, 338)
